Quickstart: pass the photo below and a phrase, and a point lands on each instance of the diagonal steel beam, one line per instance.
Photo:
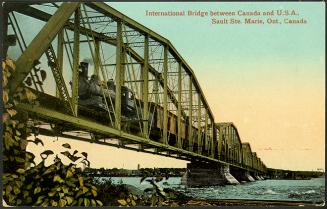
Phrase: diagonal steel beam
(43, 16)
(41, 42)
(107, 10)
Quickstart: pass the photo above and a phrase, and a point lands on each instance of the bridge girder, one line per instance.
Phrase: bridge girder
(199, 147)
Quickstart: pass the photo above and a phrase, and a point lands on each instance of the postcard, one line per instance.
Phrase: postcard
(163, 103)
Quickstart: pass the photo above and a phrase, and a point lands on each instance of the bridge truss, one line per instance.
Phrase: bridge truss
(171, 116)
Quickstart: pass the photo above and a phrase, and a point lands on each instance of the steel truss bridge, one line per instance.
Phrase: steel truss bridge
(171, 114)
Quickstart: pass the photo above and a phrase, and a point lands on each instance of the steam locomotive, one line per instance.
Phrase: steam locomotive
(95, 97)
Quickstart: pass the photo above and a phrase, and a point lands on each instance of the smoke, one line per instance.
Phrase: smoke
(88, 60)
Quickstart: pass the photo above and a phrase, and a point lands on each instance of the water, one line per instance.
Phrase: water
(291, 190)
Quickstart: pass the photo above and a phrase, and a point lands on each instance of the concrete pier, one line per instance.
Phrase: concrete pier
(241, 175)
(204, 174)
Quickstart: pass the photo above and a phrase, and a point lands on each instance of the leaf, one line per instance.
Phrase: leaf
(154, 200)
(11, 198)
(71, 184)
(16, 190)
(85, 189)
(122, 202)
(25, 194)
(133, 203)
(86, 202)
(57, 178)
(74, 158)
(93, 203)
(12, 112)
(46, 153)
(37, 141)
(39, 199)
(3, 65)
(69, 200)
(20, 171)
(4, 79)
(66, 153)
(37, 190)
(99, 202)
(134, 197)
(10, 63)
(18, 133)
(54, 203)
(49, 170)
(81, 181)
(66, 145)
(62, 202)
(52, 193)
(65, 190)
(69, 174)
(5, 96)
(43, 75)
(86, 162)
(94, 192)
(143, 178)
(8, 189)
(80, 201)
(84, 154)
(29, 200)
(19, 201)
(19, 160)
(159, 178)
(5, 117)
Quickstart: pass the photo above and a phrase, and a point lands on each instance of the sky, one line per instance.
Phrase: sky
(269, 80)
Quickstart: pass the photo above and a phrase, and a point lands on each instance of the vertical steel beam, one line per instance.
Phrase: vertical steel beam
(213, 139)
(165, 99)
(233, 143)
(227, 143)
(76, 51)
(97, 60)
(206, 144)
(220, 141)
(190, 129)
(199, 125)
(41, 42)
(179, 108)
(145, 87)
(119, 75)
(60, 54)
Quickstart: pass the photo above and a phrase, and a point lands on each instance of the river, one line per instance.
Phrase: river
(290, 190)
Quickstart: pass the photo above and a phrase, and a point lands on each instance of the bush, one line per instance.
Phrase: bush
(38, 185)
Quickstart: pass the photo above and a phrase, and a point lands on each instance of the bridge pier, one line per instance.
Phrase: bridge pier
(256, 176)
(242, 175)
(206, 174)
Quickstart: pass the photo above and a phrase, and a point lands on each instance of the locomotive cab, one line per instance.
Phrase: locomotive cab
(127, 102)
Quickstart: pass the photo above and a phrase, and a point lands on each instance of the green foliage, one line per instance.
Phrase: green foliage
(38, 185)
(110, 194)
